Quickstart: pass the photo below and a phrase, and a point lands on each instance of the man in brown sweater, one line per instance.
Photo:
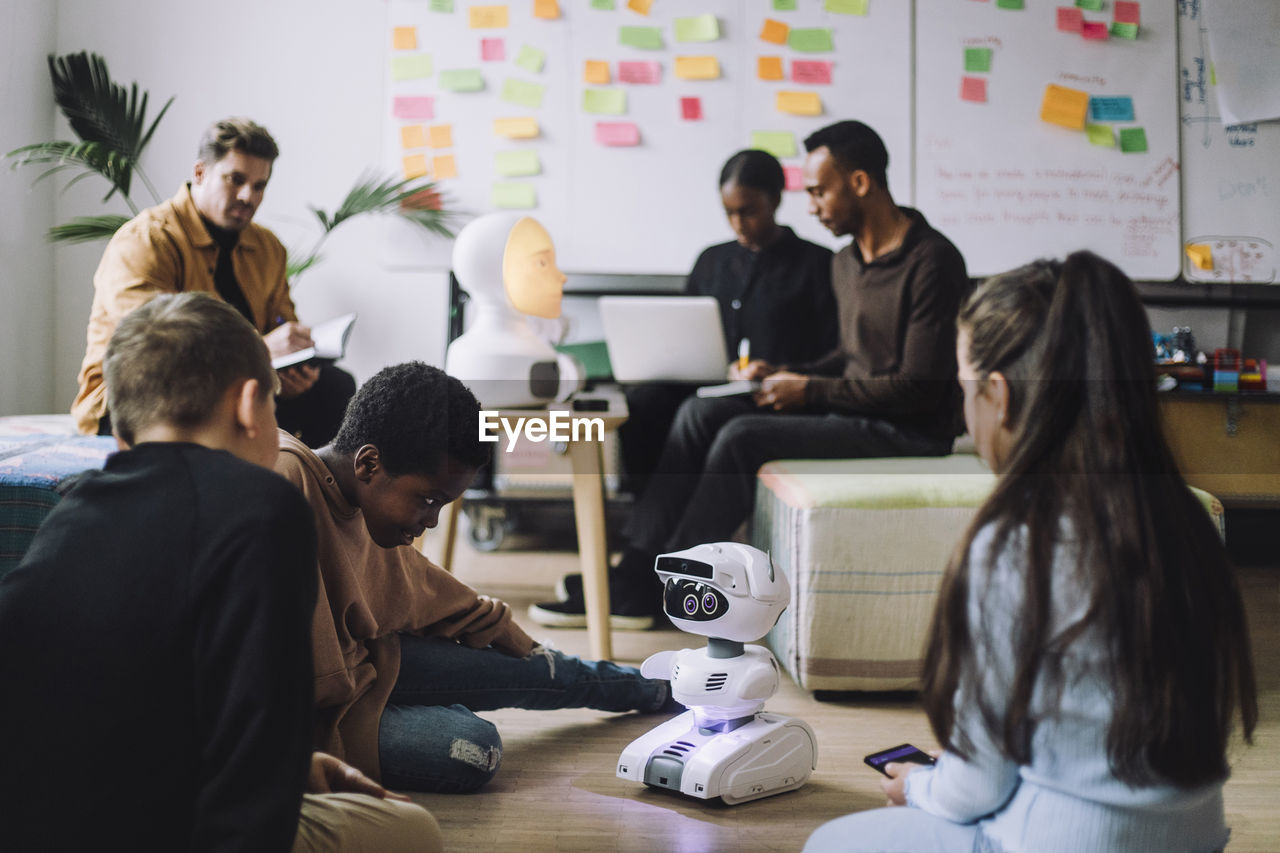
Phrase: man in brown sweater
(887, 389)
(404, 652)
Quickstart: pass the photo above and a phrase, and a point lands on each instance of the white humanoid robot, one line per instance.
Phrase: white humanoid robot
(725, 745)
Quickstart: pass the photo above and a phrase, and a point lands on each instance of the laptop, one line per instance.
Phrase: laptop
(664, 338)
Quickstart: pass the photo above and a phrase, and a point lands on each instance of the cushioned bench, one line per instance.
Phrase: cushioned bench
(864, 543)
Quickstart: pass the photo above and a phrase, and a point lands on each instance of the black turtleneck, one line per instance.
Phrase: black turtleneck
(224, 274)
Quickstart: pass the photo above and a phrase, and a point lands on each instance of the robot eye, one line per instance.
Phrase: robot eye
(691, 604)
(709, 603)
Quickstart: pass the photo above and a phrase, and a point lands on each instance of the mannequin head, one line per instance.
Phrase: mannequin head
(509, 259)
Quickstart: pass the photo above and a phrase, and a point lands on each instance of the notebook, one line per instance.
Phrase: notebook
(664, 338)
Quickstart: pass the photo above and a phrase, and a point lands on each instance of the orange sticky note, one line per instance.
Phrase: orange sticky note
(799, 103)
(444, 166)
(1065, 107)
(1201, 255)
(440, 136)
(769, 68)
(546, 9)
(641, 6)
(412, 136)
(404, 38)
(774, 31)
(488, 17)
(697, 67)
(516, 128)
(414, 166)
(596, 71)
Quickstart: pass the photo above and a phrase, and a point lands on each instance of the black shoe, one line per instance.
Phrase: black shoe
(573, 614)
(569, 587)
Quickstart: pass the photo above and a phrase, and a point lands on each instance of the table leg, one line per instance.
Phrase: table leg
(593, 551)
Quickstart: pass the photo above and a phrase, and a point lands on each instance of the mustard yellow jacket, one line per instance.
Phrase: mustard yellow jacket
(167, 249)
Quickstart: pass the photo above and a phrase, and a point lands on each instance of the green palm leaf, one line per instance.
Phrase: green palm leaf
(94, 157)
(86, 229)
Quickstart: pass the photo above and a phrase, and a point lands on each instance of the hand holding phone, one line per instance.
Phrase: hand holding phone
(902, 753)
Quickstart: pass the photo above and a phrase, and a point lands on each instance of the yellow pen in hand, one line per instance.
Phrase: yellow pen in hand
(744, 353)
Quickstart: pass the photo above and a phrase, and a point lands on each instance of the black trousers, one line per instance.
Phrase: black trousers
(652, 408)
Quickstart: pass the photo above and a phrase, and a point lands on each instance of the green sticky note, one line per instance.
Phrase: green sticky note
(1133, 140)
(846, 7)
(1091, 5)
(698, 28)
(1101, 134)
(462, 80)
(514, 196)
(779, 143)
(441, 5)
(605, 5)
(512, 164)
(784, 5)
(522, 92)
(977, 59)
(644, 38)
(1008, 4)
(413, 66)
(810, 39)
(531, 59)
(611, 102)
(1124, 31)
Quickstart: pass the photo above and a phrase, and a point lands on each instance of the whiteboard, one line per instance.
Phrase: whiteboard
(1007, 187)
(653, 207)
(1230, 175)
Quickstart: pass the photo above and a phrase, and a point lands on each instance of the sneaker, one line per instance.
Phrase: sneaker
(569, 587)
(626, 614)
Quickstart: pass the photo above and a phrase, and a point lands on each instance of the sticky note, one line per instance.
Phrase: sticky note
(846, 7)
(1201, 255)
(691, 109)
(784, 5)
(514, 164)
(1133, 140)
(815, 72)
(639, 72)
(404, 38)
(1117, 108)
(810, 39)
(604, 101)
(1091, 5)
(1070, 19)
(603, 5)
(698, 28)
(1100, 134)
(513, 196)
(530, 58)
(769, 68)
(1095, 30)
(444, 166)
(442, 6)
(461, 80)
(492, 50)
(643, 38)
(596, 71)
(522, 92)
(617, 133)
(794, 177)
(1124, 31)
(799, 103)
(697, 68)
(413, 136)
(977, 59)
(547, 10)
(525, 127)
(973, 89)
(440, 136)
(1008, 4)
(1127, 12)
(411, 66)
(1065, 107)
(414, 166)
(774, 32)
(413, 107)
(488, 17)
(641, 6)
(779, 143)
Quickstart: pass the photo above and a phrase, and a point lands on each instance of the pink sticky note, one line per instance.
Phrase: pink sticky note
(1096, 30)
(811, 71)
(691, 109)
(973, 89)
(1070, 19)
(617, 133)
(795, 177)
(492, 50)
(406, 107)
(639, 72)
(1127, 12)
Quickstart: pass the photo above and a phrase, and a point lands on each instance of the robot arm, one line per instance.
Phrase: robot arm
(659, 665)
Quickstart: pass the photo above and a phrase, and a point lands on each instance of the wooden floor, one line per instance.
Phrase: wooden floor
(556, 789)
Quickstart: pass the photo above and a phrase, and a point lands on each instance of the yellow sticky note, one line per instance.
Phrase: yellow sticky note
(546, 9)
(413, 136)
(596, 71)
(516, 128)
(1101, 135)
(444, 166)
(641, 6)
(1201, 255)
(697, 67)
(775, 32)
(770, 68)
(799, 103)
(414, 166)
(404, 38)
(488, 17)
(1065, 107)
(440, 136)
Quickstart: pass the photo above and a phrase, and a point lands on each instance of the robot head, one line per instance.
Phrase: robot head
(723, 589)
(510, 260)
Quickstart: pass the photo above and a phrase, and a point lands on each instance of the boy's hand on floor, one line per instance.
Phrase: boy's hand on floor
(330, 775)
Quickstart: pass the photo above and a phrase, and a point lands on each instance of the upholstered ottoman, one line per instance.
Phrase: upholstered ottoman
(864, 543)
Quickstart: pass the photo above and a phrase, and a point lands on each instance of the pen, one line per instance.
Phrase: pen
(744, 353)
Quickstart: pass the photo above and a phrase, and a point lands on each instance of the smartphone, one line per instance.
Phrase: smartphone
(903, 752)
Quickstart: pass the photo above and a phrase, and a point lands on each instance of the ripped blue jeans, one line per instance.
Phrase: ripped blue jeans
(430, 738)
